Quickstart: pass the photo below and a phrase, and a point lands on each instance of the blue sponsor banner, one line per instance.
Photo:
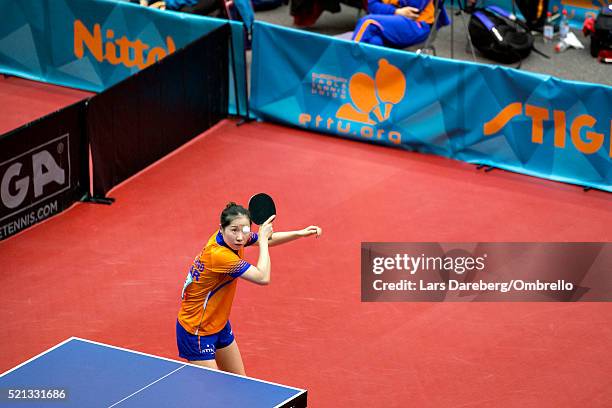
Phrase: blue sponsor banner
(94, 44)
(523, 122)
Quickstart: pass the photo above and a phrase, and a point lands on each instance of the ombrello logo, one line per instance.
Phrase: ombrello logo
(590, 143)
(117, 51)
(371, 103)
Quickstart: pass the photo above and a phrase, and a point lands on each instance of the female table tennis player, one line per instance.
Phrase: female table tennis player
(203, 331)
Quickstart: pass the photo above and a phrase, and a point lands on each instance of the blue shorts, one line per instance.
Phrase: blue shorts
(195, 348)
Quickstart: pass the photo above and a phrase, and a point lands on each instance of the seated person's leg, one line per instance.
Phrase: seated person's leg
(369, 31)
(391, 30)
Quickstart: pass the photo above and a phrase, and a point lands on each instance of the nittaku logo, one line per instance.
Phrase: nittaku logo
(34, 176)
(208, 348)
(590, 143)
(372, 100)
(117, 50)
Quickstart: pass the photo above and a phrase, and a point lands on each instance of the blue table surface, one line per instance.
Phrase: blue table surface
(97, 375)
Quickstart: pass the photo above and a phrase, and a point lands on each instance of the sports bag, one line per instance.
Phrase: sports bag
(500, 36)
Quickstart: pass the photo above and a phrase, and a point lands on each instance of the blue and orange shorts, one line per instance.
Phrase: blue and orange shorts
(195, 348)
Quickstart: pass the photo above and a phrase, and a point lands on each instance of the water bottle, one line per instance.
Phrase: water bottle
(561, 46)
(564, 27)
(549, 30)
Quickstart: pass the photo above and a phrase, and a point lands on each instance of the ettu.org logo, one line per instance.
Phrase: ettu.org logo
(371, 103)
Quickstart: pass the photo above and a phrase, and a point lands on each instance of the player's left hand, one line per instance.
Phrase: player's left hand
(310, 230)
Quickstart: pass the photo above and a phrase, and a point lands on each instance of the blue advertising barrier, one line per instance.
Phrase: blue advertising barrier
(523, 122)
(94, 44)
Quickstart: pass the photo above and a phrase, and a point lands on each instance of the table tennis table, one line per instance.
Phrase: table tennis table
(83, 373)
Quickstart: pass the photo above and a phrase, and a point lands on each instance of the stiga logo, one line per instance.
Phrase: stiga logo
(34, 176)
(589, 143)
(371, 103)
(117, 51)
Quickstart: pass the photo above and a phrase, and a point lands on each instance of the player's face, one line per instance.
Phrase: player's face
(237, 233)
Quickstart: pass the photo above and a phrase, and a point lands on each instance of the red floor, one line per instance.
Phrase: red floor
(114, 274)
(23, 101)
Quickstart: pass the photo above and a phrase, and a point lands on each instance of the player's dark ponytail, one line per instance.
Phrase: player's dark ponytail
(231, 211)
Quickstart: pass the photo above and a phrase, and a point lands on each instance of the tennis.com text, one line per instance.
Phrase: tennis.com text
(117, 50)
(365, 131)
(413, 264)
(588, 143)
(28, 219)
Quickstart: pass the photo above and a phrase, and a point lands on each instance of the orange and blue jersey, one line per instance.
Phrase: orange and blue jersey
(426, 8)
(208, 292)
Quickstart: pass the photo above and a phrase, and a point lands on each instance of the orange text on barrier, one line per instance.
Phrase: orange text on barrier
(589, 143)
(117, 51)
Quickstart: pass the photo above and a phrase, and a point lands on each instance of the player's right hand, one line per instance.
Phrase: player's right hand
(266, 229)
(410, 12)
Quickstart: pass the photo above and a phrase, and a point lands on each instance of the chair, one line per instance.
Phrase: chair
(427, 47)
